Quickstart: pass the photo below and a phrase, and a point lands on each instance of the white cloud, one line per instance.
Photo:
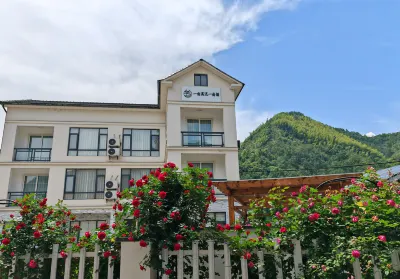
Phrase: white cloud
(248, 120)
(370, 134)
(113, 50)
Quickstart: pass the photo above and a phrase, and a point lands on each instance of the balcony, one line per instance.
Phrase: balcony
(12, 196)
(32, 154)
(203, 139)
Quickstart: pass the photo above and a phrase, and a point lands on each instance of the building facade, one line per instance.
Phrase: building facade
(82, 152)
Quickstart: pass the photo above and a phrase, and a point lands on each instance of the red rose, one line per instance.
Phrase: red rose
(210, 174)
(161, 177)
(136, 202)
(238, 227)
(247, 256)
(355, 253)
(119, 195)
(162, 195)
(43, 202)
(12, 254)
(168, 271)
(151, 192)
(104, 226)
(190, 165)
(114, 225)
(63, 254)
(87, 234)
(136, 213)
(130, 238)
(269, 225)
(139, 183)
(177, 246)
(131, 182)
(68, 213)
(142, 243)
(179, 237)
(32, 264)
(101, 235)
(120, 207)
(354, 219)
(335, 211)
(107, 254)
(11, 215)
(285, 209)
(382, 238)
(283, 230)
(209, 183)
(391, 203)
(294, 194)
(379, 184)
(250, 264)
(37, 234)
(159, 203)
(140, 194)
(227, 227)
(142, 268)
(313, 217)
(6, 241)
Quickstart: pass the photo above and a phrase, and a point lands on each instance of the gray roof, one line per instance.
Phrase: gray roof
(389, 172)
(30, 102)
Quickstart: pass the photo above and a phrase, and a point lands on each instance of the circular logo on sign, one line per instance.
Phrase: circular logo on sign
(187, 93)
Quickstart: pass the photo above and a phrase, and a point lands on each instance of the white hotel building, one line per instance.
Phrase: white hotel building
(72, 150)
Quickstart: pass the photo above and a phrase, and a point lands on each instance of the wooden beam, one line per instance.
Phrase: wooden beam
(231, 207)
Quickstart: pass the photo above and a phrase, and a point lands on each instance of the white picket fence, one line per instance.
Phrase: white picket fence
(297, 272)
(82, 255)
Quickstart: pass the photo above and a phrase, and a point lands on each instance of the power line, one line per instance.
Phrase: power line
(333, 167)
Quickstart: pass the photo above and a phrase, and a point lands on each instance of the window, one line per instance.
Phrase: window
(197, 127)
(207, 166)
(218, 217)
(200, 80)
(41, 142)
(141, 143)
(86, 226)
(82, 184)
(87, 142)
(32, 184)
(127, 174)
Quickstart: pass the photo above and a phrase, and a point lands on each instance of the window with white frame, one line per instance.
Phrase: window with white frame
(141, 142)
(82, 184)
(127, 174)
(87, 142)
(207, 166)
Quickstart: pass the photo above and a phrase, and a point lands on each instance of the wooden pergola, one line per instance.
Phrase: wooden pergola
(241, 192)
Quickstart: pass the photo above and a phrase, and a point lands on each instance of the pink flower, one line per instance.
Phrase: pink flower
(391, 203)
(101, 235)
(283, 230)
(162, 195)
(63, 254)
(168, 272)
(356, 253)
(382, 238)
(340, 203)
(285, 209)
(247, 256)
(278, 214)
(379, 184)
(87, 234)
(313, 217)
(335, 211)
(375, 198)
(177, 246)
(151, 192)
(294, 194)
(303, 188)
(303, 210)
(311, 204)
(32, 264)
(354, 219)
(250, 264)
(142, 243)
(179, 237)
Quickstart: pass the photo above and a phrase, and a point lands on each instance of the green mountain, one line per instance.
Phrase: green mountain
(292, 144)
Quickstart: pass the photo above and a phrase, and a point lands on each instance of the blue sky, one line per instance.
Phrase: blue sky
(335, 61)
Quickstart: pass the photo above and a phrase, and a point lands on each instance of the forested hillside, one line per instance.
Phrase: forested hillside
(292, 144)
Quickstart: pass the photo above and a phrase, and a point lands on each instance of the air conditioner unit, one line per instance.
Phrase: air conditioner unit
(110, 184)
(110, 194)
(114, 141)
(113, 151)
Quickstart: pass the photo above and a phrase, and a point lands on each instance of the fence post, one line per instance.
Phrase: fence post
(54, 259)
(278, 266)
(227, 261)
(164, 257)
(180, 262)
(12, 270)
(298, 259)
(357, 269)
(377, 271)
(195, 251)
(245, 272)
(211, 260)
(67, 270)
(82, 258)
(395, 260)
(110, 271)
(96, 262)
(260, 255)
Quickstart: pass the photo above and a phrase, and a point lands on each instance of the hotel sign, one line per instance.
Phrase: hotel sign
(201, 94)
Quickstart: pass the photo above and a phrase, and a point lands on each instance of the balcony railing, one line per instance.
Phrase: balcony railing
(12, 196)
(203, 139)
(32, 154)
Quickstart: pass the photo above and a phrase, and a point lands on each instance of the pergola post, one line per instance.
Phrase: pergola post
(231, 207)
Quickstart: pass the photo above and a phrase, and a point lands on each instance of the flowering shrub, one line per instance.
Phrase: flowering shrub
(361, 221)
(164, 209)
(34, 232)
